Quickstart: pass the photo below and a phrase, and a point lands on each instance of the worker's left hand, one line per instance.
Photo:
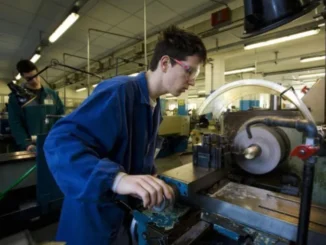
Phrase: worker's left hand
(31, 148)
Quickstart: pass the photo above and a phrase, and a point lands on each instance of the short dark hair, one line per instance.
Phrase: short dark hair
(25, 66)
(178, 44)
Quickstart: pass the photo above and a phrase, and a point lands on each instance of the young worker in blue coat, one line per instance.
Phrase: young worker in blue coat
(105, 148)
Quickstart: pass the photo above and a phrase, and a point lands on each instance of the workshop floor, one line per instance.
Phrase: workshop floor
(46, 234)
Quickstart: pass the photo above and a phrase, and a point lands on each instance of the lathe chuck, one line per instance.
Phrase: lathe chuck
(264, 151)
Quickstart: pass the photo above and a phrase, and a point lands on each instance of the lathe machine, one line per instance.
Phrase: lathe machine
(252, 184)
(212, 207)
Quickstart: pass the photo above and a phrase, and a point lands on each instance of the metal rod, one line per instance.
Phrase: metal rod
(145, 35)
(116, 66)
(64, 88)
(114, 34)
(305, 204)
(55, 63)
(88, 61)
(80, 57)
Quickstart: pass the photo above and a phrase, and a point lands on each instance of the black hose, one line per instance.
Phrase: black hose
(301, 125)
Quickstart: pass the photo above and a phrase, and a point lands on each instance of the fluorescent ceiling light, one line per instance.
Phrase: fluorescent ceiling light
(310, 59)
(282, 39)
(14, 81)
(133, 75)
(18, 77)
(321, 25)
(69, 21)
(35, 58)
(80, 89)
(94, 85)
(312, 75)
(240, 71)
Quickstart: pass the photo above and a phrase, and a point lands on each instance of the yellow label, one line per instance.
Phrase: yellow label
(181, 102)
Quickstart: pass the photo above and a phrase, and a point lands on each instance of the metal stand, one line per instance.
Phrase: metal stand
(307, 153)
(305, 203)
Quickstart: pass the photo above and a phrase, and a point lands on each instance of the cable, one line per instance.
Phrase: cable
(18, 181)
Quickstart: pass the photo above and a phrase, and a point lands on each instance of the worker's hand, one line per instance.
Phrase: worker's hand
(31, 148)
(145, 187)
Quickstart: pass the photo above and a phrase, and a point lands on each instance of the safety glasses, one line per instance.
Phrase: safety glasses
(192, 72)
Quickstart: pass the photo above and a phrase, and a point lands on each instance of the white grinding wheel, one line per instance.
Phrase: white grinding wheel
(272, 149)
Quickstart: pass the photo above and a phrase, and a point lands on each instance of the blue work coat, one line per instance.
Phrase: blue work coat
(114, 129)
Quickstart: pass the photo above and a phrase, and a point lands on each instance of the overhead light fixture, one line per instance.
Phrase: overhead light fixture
(14, 81)
(18, 77)
(282, 39)
(133, 75)
(69, 21)
(311, 59)
(80, 89)
(321, 25)
(312, 75)
(94, 85)
(35, 58)
(240, 71)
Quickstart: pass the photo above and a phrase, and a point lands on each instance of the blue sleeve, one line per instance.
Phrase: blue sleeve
(76, 148)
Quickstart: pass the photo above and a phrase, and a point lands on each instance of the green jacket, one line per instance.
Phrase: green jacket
(30, 119)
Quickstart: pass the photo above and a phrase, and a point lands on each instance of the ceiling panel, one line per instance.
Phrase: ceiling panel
(106, 43)
(129, 6)
(29, 44)
(63, 3)
(40, 23)
(87, 22)
(69, 46)
(10, 41)
(24, 5)
(183, 6)
(15, 15)
(12, 29)
(88, 6)
(134, 25)
(157, 13)
(52, 11)
(108, 13)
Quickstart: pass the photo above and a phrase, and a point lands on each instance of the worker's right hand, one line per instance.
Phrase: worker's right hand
(31, 148)
(146, 187)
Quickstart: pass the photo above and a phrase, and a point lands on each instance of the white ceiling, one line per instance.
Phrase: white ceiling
(21, 23)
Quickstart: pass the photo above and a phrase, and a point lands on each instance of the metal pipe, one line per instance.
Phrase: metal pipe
(293, 70)
(301, 125)
(305, 201)
(323, 13)
(114, 34)
(145, 36)
(186, 18)
(80, 57)
(116, 65)
(88, 61)
(274, 102)
(64, 88)
(286, 32)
